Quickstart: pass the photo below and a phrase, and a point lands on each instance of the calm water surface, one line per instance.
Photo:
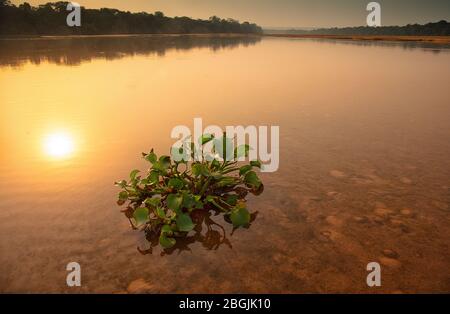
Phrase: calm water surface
(364, 162)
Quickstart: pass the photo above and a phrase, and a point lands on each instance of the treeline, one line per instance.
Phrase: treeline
(50, 19)
(441, 28)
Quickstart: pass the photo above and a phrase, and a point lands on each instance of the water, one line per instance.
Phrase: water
(364, 162)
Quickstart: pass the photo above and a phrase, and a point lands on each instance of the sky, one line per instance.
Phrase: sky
(285, 13)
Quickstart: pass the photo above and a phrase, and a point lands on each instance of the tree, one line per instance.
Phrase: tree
(50, 19)
(5, 3)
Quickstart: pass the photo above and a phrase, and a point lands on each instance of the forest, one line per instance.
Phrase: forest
(441, 28)
(50, 19)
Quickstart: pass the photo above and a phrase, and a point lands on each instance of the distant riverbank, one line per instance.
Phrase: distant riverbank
(199, 35)
(427, 39)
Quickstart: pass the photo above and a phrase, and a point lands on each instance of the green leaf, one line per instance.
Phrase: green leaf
(196, 169)
(205, 138)
(256, 163)
(226, 181)
(197, 201)
(123, 196)
(141, 215)
(151, 157)
(258, 191)
(158, 166)
(154, 177)
(200, 169)
(165, 161)
(188, 200)
(217, 175)
(215, 164)
(199, 205)
(240, 216)
(244, 169)
(251, 179)
(176, 183)
(184, 222)
(166, 230)
(132, 192)
(133, 174)
(232, 199)
(166, 242)
(241, 151)
(160, 212)
(174, 201)
(153, 201)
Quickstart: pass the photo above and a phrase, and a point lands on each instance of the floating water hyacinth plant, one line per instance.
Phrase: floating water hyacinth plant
(163, 200)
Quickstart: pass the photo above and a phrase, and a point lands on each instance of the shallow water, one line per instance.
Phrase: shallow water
(364, 162)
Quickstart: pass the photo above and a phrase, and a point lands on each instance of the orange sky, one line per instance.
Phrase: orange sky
(286, 13)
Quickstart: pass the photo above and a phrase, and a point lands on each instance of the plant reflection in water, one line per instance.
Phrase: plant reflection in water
(208, 232)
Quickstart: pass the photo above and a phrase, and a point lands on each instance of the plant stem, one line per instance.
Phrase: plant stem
(218, 206)
(205, 186)
(230, 170)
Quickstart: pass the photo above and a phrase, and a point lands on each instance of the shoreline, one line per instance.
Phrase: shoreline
(410, 38)
(438, 40)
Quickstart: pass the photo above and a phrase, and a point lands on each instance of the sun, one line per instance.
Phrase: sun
(58, 145)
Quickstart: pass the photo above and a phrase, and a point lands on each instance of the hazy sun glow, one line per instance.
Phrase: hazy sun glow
(58, 145)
